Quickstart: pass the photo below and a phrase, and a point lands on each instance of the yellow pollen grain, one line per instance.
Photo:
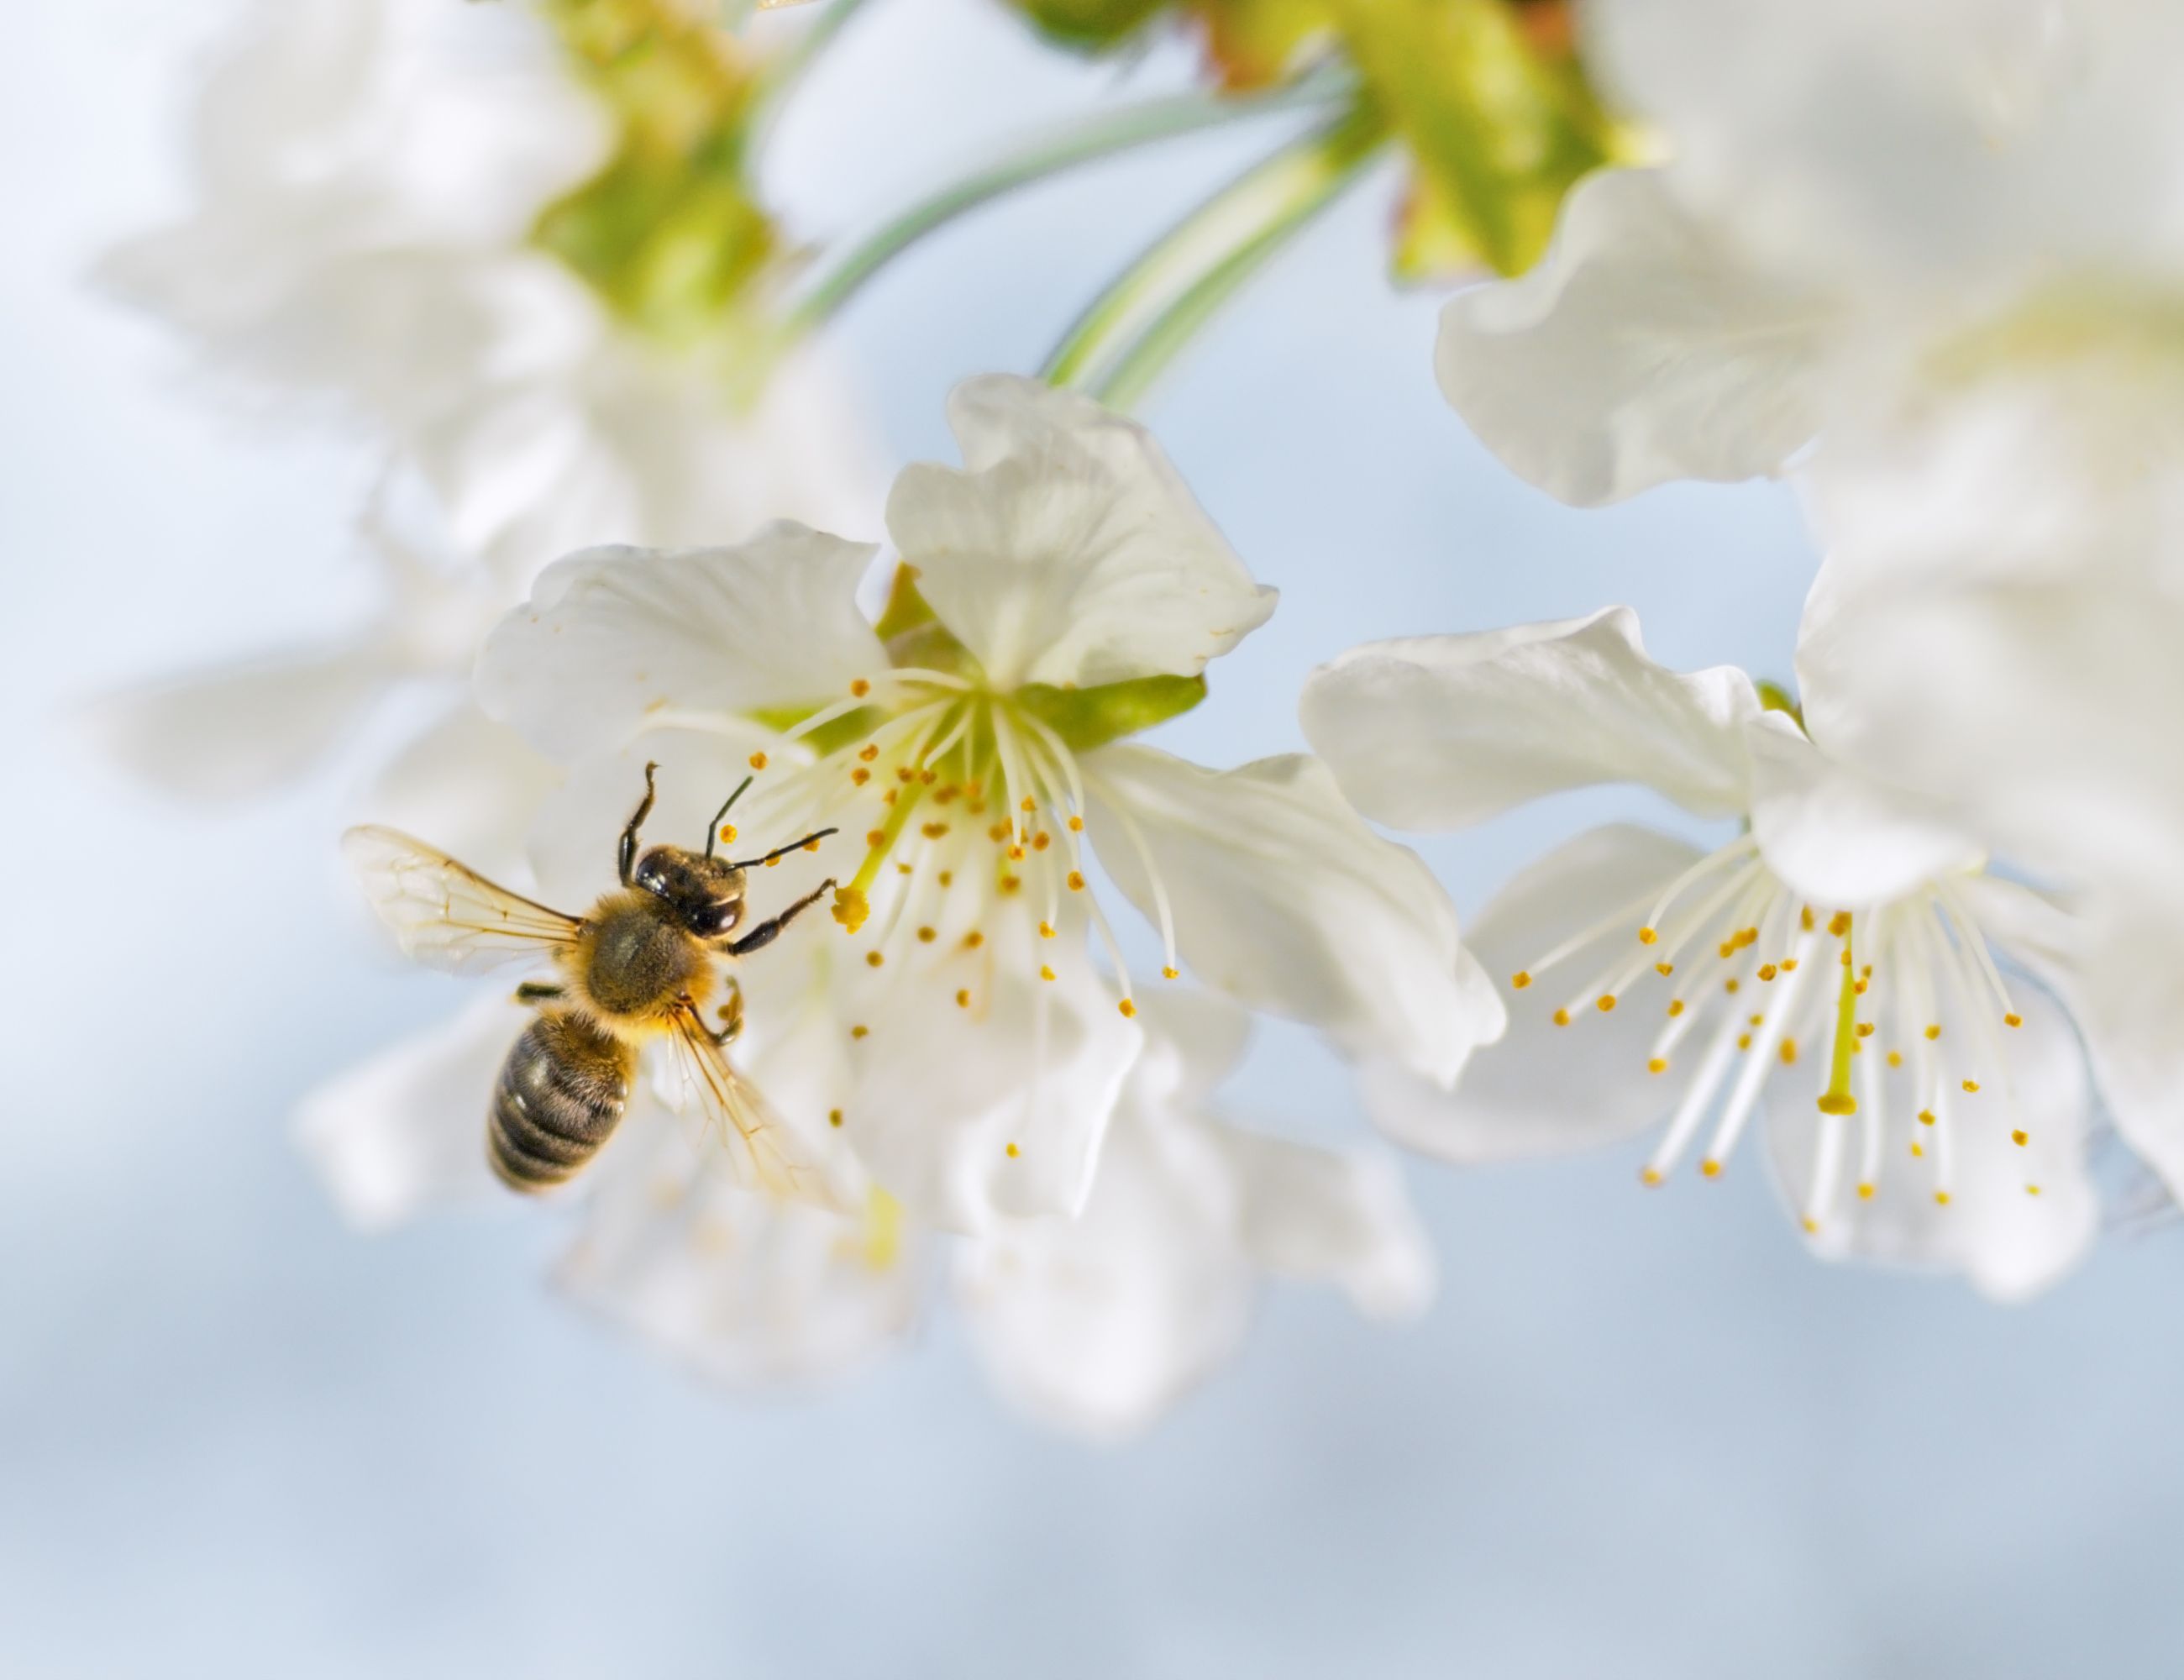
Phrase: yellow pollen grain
(1865, 1192)
(1839, 923)
(1650, 1178)
(973, 939)
(1865, 1029)
(1664, 969)
(1859, 990)
(1917, 1154)
(1046, 930)
(1045, 972)
(813, 844)
(1971, 1087)
(1076, 824)
(873, 959)
(834, 1116)
(2032, 1189)
(859, 1032)
(728, 834)
(1728, 986)
(773, 863)
(1010, 883)
(2012, 1019)
(1744, 1041)
(1812, 1225)
(1646, 936)
(868, 753)
(926, 936)
(1520, 980)
(1016, 854)
(1726, 949)
(1835, 1101)
(1562, 1017)
(1925, 1116)
(1605, 1003)
(859, 688)
(1710, 1168)
(1171, 973)
(758, 761)
(1789, 1052)
(860, 776)
(1941, 1198)
(1013, 1152)
(851, 908)
(1755, 1020)
(1789, 965)
(1767, 970)
(998, 832)
(932, 830)
(1076, 881)
(1675, 1007)
(1028, 803)
(963, 999)
(1805, 918)
(1127, 1008)
(1934, 1031)
(1041, 841)
(887, 797)
(903, 869)
(2020, 1137)
(947, 877)
(876, 837)
(1657, 1065)
(1896, 1058)
(926, 778)
(1748, 938)
(1845, 958)
(904, 774)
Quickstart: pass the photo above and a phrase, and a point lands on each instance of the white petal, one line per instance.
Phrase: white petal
(1642, 348)
(1101, 1323)
(1284, 900)
(1347, 1218)
(1194, 1041)
(1543, 1089)
(470, 785)
(404, 1132)
(1069, 551)
(1442, 731)
(231, 733)
(613, 634)
(748, 1290)
(1837, 837)
(2007, 1243)
(942, 1092)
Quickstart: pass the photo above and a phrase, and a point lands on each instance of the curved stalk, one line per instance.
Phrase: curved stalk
(1107, 134)
(1154, 307)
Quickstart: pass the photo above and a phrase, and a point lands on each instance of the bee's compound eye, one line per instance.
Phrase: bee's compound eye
(719, 916)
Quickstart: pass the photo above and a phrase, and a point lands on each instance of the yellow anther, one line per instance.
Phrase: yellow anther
(1046, 930)
(1657, 1065)
(1028, 803)
(728, 834)
(834, 1116)
(2032, 1189)
(1605, 1003)
(1664, 969)
(851, 908)
(1010, 883)
(1646, 936)
(1710, 1168)
(1812, 1225)
(1171, 973)
(1839, 923)
(1755, 1019)
(868, 753)
(1789, 965)
(947, 877)
(1917, 1153)
(1076, 881)
(1520, 980)
(1728, 986)
(1941, 1198)
(876, 837)
(1845, 958)
(1896, 1058)
(1971, 1087)
(1746, 938)
(1041, 841)
(1562, 1017)
(973, 939)
(861, 688)
(1933, 1030)
(1127, 1008)
(904, 774)
(1860, 988)
(1076, 824)
(963, 999)
(813, 844)
(1045, 972)
(1744, 1041)
(926, 936)
(887, 797)
(1726, 949)
(2020, 1137)
(1805, 918)
(1016, 854)
(873, 959)
(1925, 1116)
(1675, 1007)
(860, 776)
(1829, 1103)
(1650, 1178)
(903, 869)
(927, 777)
(773, 863)
(1767, 970)
(1865, 1192)
(2012, 1019)
(1788, 1052)
(758, 761)
(1013, 1152)
(1865, 1029)
(859, 1032)
(932, 830)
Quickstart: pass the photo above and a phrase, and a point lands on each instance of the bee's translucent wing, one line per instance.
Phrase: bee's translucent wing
(763, 1153)
(446, 915)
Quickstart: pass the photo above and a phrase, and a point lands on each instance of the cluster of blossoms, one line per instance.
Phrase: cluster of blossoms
(1934, 944)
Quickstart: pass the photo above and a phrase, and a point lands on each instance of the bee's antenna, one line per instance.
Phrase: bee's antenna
(713, 828)
(783, 851)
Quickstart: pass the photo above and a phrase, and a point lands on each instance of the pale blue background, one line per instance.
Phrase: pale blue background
(1640, 1435)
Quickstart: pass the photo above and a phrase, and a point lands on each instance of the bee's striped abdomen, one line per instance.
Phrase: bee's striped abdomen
(561, 1093)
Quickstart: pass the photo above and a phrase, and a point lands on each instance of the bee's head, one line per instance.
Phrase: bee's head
(706, 893)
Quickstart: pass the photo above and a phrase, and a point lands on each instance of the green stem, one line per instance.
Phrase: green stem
(1104, 135)
(1120, 344)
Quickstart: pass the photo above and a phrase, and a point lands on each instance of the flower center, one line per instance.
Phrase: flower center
(1905, 995)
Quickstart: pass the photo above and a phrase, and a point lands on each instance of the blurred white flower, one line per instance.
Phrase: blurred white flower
(375, 183)
(1060, 593)
(1835, 962)
(1097, 1324)
(1855, 215)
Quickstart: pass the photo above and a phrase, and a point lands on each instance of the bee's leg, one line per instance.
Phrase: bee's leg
(626, 854)
(731, 1014)
(770, 930)
(537, 992)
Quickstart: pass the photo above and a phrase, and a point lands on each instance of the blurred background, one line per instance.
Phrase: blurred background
(1640, 1435)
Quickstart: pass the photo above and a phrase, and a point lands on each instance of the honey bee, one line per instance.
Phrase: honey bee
(642, 966)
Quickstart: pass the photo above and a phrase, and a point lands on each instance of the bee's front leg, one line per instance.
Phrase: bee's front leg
(538, 992)
(770, 930)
